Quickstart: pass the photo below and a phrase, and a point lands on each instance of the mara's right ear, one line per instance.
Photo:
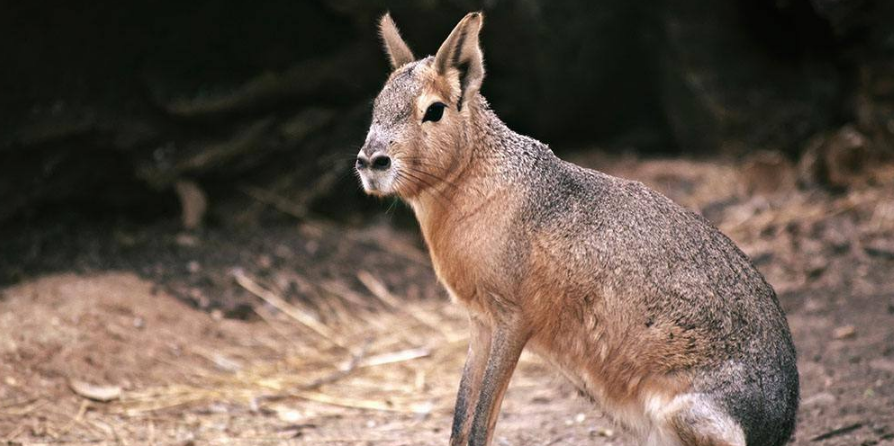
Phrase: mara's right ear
(398, 52)
(461, 54)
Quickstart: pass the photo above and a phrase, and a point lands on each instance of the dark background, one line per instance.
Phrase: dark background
(105, 105)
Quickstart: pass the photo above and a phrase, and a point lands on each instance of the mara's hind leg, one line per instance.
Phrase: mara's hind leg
(695, 420)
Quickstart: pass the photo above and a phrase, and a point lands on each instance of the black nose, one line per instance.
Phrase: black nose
(362, 161)
(380, 162)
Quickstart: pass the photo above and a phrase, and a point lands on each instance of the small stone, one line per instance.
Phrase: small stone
(225, 364)
(883, 364)
(95, 392)
(601, 432)
(288, 415)
(844, 332)
(819, 399)
(199, 297)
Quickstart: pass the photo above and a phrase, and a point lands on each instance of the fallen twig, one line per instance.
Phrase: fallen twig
(395, 357)
(419, 409)
(15, 433)
(836, 432)
(271, 323)
(32, 406)
(380, 291)
(339, 374)
(76, 419)
(290, 310)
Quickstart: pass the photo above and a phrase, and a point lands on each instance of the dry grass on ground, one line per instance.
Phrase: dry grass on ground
(185, 376)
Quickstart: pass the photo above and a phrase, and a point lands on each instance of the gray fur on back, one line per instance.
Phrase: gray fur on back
(669, 261)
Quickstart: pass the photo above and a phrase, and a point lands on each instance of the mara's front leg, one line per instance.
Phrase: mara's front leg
(470, 383)
(508, 339)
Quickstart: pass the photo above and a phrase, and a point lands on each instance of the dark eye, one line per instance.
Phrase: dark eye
(434, 112)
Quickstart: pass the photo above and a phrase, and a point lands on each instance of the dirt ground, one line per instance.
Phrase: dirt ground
(314, 333)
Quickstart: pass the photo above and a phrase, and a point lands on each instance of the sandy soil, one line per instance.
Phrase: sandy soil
(326, 335)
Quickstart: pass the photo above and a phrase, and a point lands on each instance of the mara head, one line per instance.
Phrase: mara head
(422, 115)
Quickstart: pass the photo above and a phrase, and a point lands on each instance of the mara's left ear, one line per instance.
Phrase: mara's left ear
(460, 55)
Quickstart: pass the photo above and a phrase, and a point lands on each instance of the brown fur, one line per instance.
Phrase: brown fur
(641, 304)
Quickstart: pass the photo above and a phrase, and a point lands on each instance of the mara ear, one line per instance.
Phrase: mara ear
(398, 52)
(461, 54)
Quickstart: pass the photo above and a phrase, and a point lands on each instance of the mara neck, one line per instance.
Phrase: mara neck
(489, 168)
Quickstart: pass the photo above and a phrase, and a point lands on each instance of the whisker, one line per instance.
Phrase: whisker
(432, 176)
(430, 189)
(413, 166)
(391, 207)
